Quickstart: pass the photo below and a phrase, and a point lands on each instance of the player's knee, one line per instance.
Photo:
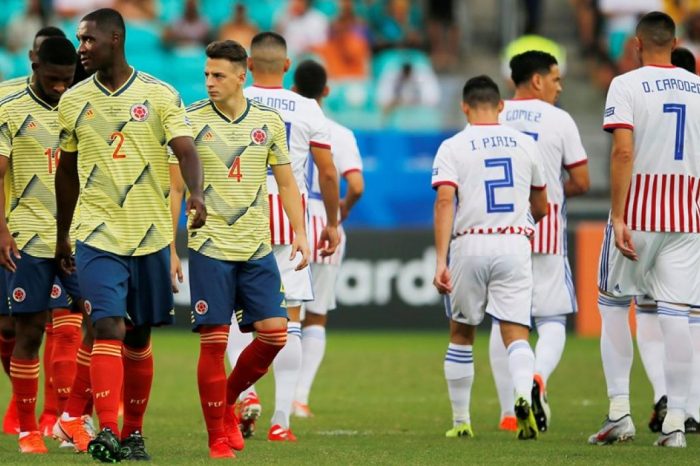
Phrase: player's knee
(109, 328)
(29, 333)
(138, 337)
(312, 318)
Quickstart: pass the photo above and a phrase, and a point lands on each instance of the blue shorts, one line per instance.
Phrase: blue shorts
(4, 298)
(219, 288)
(35, 286)
(136, 288)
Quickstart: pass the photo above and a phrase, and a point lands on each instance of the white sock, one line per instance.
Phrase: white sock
(313, 347)
(237, 341)
(551, 338)
(677, 362)
(650, 342)
(521, 362)
(286, 366)
(459, 373)
(617, 352)
(500, 371)
(692, 408)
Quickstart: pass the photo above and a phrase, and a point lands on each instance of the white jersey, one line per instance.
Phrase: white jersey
(493, 168)
(306, 127)
(662, 106)
(560, 146)
(346, 157)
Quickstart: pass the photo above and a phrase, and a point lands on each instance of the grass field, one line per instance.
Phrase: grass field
(380, 398)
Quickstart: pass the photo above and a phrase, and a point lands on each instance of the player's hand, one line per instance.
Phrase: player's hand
(344, 211)
(623, 240)
(8, 251)
(300, 245)
(328, 241)
(64, 256)
(176, 275)
(442, 280)
(199, 217)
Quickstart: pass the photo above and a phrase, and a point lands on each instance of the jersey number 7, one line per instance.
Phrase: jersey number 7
(492, 206)
(679, 110)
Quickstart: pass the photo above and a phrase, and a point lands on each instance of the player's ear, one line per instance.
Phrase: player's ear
(536, 81)
(465, 109)
(287, 64)
(250, 63)
(35, 66)
(326, 91)
(637, 44)
(501, 105)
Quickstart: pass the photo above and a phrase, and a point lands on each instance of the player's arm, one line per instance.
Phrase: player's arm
(444, 218)
(355, 188)
(177, 192)
(538, 203)
(328, 182)
(8, 247)
(291, 202)
(621, 160)
(191, 169)
(67, 192)
(579, 181)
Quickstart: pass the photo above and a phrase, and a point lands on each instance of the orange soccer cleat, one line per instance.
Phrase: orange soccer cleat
(278, 433)
(73, 431)
(32, 443)
(509, 423)
(221, 449)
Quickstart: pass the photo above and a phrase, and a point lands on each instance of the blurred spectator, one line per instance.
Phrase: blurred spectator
(74, 8)
(239, 28)
(691, 41)
(443, 34)
(136, 10)
(587, 22)
(190, 30)
(399, 27)
(533, 16)
(621, 18)
(347, 53)
(21, 28)
(303, 27)
(407, 86)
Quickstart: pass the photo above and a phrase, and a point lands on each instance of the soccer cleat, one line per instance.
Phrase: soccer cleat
(32, 443)
(278, 433)
(540, 406)
(221, 449)
(73, 431)
(89, 425)
(250, 410)
(675, 439)
(233, 430)
(133, 448)
(509, 423)
(46, 423)
(620, 430)
(527, 426)
(10, 422)
(658, 415)
(692, 426)
(301, 410)
(105, 447)
(460, 430)
(66, 444)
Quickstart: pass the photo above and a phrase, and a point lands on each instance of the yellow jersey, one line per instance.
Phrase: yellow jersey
(235, 156)
(6, 88)
(121, 139)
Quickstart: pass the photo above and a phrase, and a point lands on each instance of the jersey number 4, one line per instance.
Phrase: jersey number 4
(679, 110)
(235, 170)
(492, 206)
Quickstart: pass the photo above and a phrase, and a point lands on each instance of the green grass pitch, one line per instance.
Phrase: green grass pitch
(380, 398)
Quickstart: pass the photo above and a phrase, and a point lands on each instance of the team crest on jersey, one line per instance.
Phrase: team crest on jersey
(19, 295)
(55, 292)
(201, 307)
(88, 307)
(139, 112)
(259, 136)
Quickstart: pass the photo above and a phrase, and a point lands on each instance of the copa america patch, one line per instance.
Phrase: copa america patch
(258, 136)
(55, 291)
(88, 307)
(139, 112)
(19, 295)
(201, 307)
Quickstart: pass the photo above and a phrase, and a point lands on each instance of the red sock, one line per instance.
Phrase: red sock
(211, 378)
(67, 333)
(138, 378)
(50, 402)
(107, 376)
(6, 347)
(24, 374)
(81, 393)
(254, 362)
(88, 407)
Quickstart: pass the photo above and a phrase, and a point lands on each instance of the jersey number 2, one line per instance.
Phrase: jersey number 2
(492, 206)
(679, 110)
(119, 137)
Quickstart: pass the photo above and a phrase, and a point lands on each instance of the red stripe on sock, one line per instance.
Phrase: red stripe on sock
(24, 374)
(107, 375)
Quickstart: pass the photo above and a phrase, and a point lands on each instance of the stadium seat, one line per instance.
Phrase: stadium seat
(217, 11)
(170, 10)
(185, 70)
(395, 58)
(416, 118)
(7, 67)
(9, 9)
(153, 62)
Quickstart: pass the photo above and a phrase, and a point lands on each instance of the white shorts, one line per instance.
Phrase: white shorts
(297, 284)
(323, 279)
(493, 271)
(668, 268)
(553, 287)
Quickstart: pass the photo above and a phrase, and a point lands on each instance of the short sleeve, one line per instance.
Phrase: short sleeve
(67, 140)
(320, 132)
(5, 135)
(444, 171)
(574, 153)
(538, 181)
(174, 119)
(278, 153)
(346, 155)
(618, 107)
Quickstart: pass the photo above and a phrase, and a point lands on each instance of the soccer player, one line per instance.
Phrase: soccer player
(307, 130)
(29, 138)
(310, 81)
(652, 245)
(491, 171)
(532, 111)
(231, 258)
(115, 130)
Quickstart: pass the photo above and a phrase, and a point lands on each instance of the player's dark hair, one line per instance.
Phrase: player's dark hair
(267, 39)
(684, 58)
(656, 27)
(310, 79)
(57, 51)
(106, 19)
(228, 50)
(49, 31)
(525, 65)
(481, 90)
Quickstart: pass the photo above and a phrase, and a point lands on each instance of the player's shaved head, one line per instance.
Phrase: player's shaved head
(49, 31)
(228, 50)
(684, 58)
(656, 29)
(57, 51)
(107, 20)
(481, 90)
(525, 65)
(310, 79)
(268, 51)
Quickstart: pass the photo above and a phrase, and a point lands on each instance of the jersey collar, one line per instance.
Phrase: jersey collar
(39, 100)
(227, 119)
(121, 89)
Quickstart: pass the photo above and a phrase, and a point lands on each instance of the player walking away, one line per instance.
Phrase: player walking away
(532, 111)
(115, 129)
(310, 81)
(492, 170)
(307, 131)
(651, 245)
(29, 138)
